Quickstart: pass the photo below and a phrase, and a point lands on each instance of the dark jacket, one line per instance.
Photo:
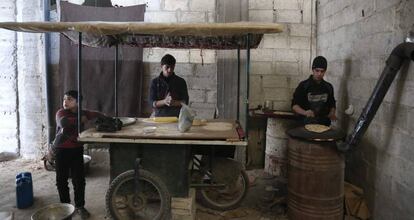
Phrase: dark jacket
(318, 97)
(161, 86)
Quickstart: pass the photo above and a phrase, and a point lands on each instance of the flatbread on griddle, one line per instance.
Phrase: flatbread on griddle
(317, 128)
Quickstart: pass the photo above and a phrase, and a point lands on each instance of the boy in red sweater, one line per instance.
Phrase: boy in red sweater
(69, 152)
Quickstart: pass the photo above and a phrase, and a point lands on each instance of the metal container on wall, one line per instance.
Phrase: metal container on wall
(315, 180)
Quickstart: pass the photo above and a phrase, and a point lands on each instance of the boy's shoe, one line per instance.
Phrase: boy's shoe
(83, 213)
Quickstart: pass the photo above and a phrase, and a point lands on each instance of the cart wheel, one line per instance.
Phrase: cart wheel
(153, 201)
(49, 166)
(226, 198)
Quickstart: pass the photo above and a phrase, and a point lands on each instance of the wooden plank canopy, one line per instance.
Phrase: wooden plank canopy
(142, 34)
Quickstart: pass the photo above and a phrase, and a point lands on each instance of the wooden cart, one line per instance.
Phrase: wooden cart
(166, 165)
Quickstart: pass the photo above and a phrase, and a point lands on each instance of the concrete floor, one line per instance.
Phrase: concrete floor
(257, 204)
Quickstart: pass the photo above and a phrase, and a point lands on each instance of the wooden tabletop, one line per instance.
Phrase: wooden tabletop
(167, 133)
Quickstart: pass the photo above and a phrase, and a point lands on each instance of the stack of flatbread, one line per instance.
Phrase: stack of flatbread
(317, 128)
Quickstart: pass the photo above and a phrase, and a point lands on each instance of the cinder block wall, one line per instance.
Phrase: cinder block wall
(22, 96)
(282, 60)
(357, 37)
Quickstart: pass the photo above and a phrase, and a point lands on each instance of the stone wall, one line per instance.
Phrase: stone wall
(357, 37)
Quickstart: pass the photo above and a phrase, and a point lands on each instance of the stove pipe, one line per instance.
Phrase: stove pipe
(404, 51)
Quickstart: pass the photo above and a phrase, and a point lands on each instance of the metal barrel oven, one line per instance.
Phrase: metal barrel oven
(315, 175)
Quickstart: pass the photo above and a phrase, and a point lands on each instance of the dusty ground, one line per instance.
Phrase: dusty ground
(257, 204)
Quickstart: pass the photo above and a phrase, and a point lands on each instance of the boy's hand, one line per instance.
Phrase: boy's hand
(167, 100)
(309, 114)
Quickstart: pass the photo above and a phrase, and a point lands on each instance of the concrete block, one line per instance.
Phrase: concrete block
(155, 54)
(277, 94)
(361, 88)
(293, 81)
(256, 87)
(202, 56)
(260, 4)
(282, 105)
(286, 68)
(309, 13)
(204, 110)
(201, 83)
(272, 81)
(301, 30)
(202, 5)
(212, 96)
(378, 22)
(289, 55)
(288, 16)
(411, 121)
(403, 196)
(275, 41)
(405, 149)
(197, 95)
(261, 55)
(206, 71)
(193, 17)
(402, 172)
(383, 205)
(380, 5)
(407, 97)
(283, 4)
(299, 43)
(211, 17)
(7, 14)
(394, 115)
(9, 122)
(182, 56)
(160, 17)
(261, 68)
(8, 4)
(261, 15)
(172, 5)
(183, 70)
(154, 69)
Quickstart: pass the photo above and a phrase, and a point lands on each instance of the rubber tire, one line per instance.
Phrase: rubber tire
(235, 204)
(149, 177)
(48, 166)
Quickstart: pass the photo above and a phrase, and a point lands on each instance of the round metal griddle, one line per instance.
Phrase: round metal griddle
(332, 134)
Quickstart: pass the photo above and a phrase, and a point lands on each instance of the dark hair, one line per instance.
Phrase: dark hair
(168, 59)
(73, 94)
(319, 62)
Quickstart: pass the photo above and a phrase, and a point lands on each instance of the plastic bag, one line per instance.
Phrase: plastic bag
(186, 117)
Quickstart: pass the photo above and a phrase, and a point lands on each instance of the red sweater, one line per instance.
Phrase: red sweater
(67, 126)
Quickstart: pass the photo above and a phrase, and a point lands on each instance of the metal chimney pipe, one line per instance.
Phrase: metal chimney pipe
(404, 51)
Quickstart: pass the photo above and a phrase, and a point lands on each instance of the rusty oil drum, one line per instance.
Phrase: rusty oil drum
(315, 180)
